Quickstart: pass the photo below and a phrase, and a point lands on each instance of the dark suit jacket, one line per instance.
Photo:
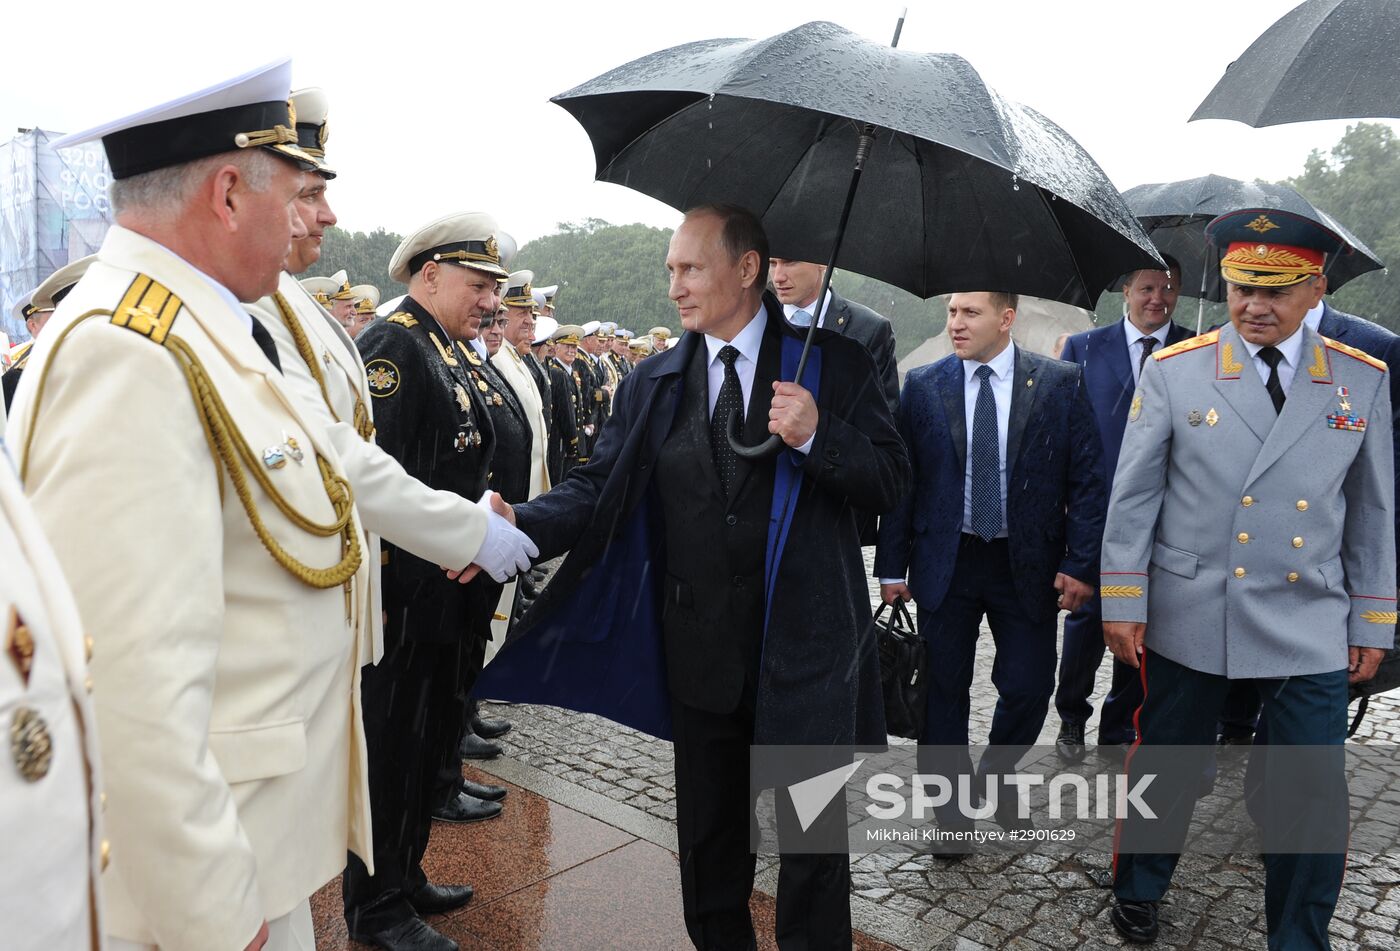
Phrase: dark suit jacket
(1056, 493)
(1380, 343)
(1108, 377)
(874, 331)
(591, 640)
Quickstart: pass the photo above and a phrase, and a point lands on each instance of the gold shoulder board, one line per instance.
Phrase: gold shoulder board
(404, 318)
(1185, 346)
(21, 355)
(1354, 353)
(148, 308)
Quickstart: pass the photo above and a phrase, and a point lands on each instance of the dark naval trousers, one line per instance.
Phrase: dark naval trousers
(1080, 657)
(1180, 706)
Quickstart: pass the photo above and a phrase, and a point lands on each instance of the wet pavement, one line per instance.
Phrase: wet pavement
(584, 857)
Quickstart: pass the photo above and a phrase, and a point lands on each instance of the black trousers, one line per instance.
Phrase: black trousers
(1080, 657)
(1023, 672)
(715, 820)
(412, 701)
(1307, 801)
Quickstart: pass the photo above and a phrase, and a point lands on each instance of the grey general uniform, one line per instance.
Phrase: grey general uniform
(1251, 529)
(1290, 487)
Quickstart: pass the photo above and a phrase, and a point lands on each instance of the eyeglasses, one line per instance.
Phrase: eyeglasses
(496, 322)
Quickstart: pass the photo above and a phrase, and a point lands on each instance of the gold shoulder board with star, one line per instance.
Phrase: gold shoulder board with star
(403, 318)
(1186, 346)
(148, 308)
(1354, 353)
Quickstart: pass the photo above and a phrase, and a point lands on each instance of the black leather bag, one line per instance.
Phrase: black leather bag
(903, 670)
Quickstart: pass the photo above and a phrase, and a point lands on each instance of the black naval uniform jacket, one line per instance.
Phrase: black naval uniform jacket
(510, 464)
(431, 417)
(563, 433)
(586, 416)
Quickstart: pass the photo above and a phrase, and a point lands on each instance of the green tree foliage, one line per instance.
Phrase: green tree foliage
(604, 272)
(1359, 185)
(365, 257)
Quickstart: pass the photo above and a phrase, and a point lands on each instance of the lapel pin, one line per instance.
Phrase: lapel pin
(274, 457)
(1343, 403)
(1212, 417)
(1194, 417)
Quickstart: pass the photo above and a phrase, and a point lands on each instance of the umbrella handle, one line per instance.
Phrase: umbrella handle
(774, 443)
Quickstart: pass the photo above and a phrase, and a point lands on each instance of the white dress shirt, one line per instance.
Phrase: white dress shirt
(1135, 339)
(1003, 369)
(1313, 318)
(790, 309)
(1291, 350)
(748, 342)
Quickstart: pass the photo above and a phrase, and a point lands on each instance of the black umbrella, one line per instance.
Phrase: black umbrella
(1325, 59)
(961, 189)
(951, 187)
(1175, 215)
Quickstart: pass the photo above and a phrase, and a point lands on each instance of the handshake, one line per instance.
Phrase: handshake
(506, 550)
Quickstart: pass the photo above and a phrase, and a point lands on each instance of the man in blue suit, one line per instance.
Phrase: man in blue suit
(1007, 512)
(1112, 358)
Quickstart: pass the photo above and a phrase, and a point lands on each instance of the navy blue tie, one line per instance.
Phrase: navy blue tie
(986, 461)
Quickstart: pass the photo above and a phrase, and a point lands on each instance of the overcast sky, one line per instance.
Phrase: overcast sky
(445, 106)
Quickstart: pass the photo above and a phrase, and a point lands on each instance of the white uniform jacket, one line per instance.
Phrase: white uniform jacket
(232, 744)
(436, 526)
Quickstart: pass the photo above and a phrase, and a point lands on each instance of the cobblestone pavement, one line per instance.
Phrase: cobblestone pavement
(991, 900)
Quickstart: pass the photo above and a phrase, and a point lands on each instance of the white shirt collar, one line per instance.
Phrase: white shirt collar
(747, 341)
(1314, 316)
(790, 309)
(1290, 348)
(1134, 334)
(1003, 364)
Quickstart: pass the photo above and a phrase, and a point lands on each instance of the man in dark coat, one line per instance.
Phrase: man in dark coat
(1112, 358)
(729, 642)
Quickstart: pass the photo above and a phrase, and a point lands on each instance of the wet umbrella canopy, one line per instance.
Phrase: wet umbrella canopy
(1175, 216)
(962, 189)
(1325, 59)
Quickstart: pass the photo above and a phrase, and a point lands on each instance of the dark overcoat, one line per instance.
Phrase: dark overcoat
(593, 641)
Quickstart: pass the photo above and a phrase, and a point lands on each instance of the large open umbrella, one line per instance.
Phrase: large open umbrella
(1175, 215)
(961, 188)
(944, 185)
(1325, 59)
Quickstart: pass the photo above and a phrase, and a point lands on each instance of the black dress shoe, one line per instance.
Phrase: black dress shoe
(488, 728)
(464, 808)
(1136, 921)
(474, 747)
(1070, 743)
(482, 791)
(435, 899)
(411, 935)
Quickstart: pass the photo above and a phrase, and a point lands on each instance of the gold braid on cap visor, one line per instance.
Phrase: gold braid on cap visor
(277, 135)
(1275, 268)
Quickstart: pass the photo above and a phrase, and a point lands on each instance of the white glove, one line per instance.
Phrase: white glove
(507, 550)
